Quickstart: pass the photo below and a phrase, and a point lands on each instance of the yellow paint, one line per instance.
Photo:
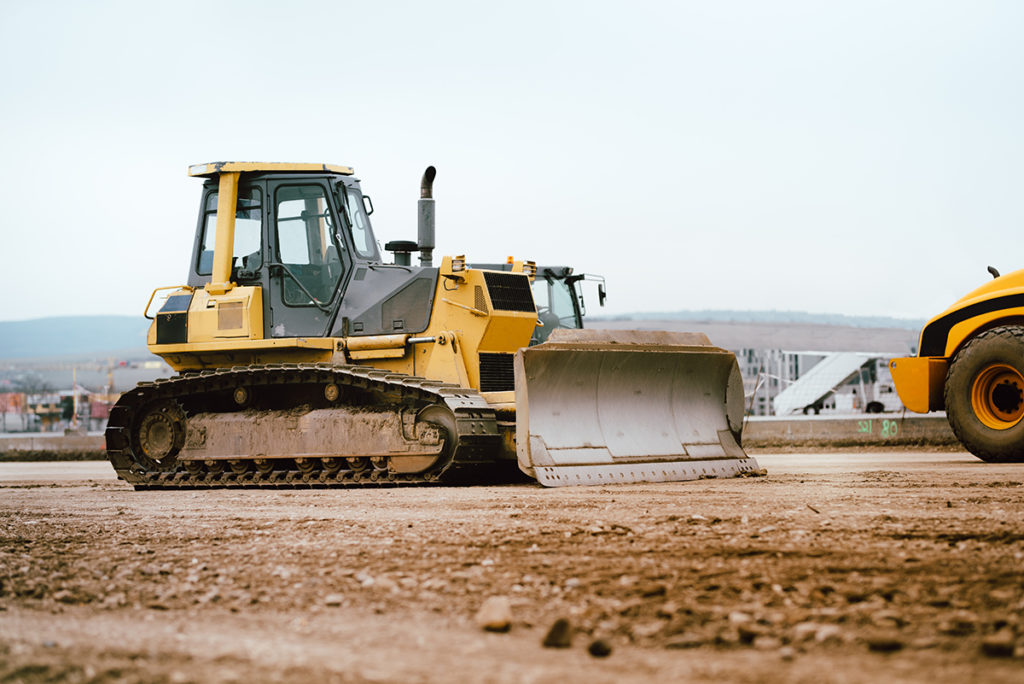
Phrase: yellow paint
(361, 356)
(984, 396)
(919, 381)
(470, 309)
(964, 330)
(1009, 284)
(276, 344)
(210, 316)
(496, 332)
(374, 342)
(223, 249)
(524, 266)
(213, 168)
(225, 321)
(220, 356)
(224, 353)
(501, 400)
(445, 362)
(459, 329)
(461, 332)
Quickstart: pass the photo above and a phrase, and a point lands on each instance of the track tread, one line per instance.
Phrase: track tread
(475, 421)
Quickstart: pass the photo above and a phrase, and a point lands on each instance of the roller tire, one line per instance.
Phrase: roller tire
(967, 405)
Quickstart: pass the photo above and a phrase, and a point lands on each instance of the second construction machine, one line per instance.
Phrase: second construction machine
(970, 363)
(305, 359)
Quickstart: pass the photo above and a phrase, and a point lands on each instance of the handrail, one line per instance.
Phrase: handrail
(145, 312)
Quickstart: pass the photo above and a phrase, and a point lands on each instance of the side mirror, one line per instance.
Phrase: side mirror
(367, 204)
(601, 294)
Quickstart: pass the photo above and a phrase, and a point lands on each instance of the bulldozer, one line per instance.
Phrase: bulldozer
(970, 363)
(305, 358)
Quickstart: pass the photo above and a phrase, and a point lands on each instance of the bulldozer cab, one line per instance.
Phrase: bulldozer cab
(296, 235)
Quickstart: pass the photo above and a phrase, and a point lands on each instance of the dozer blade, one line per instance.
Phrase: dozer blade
(604, 406)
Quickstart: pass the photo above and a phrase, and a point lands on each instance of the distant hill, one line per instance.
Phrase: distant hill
(73, 336)
(803, 317)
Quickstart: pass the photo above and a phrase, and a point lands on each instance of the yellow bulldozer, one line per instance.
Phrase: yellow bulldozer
(305, 359)
(970, 362)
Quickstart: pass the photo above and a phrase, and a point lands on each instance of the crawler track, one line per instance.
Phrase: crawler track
(471, 453)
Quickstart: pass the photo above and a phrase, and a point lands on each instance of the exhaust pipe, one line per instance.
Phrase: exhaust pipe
(425, 218)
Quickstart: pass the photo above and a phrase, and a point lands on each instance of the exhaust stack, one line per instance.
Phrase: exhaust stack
(425, 218)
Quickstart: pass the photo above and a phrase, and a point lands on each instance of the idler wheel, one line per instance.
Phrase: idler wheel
(159, 435)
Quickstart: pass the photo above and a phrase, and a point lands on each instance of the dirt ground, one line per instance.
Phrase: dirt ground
(840, 567)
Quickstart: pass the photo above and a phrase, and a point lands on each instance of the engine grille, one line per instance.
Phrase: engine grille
(496, 373)
(509, 291)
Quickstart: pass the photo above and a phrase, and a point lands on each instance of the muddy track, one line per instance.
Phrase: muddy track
(227, 392)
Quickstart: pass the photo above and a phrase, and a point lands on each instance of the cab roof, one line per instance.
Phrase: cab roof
(211, 169)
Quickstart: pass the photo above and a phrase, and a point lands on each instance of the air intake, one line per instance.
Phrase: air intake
(509, 291)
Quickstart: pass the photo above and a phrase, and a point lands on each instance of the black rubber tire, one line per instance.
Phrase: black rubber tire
(1002, 345)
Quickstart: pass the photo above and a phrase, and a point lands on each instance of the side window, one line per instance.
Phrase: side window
(540, 293)
(304, 234)
(362, 235)
(248, 248)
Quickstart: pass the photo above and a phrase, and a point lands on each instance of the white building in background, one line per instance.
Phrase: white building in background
(778, 382)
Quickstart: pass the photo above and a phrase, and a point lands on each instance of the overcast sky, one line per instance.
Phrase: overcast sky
(856, 158)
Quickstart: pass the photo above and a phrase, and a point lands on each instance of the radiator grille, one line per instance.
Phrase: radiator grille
(496, 373)
(509, 291)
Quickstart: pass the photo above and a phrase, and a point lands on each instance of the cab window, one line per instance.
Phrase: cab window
(248, 248)
(305, 243)
(362, 234)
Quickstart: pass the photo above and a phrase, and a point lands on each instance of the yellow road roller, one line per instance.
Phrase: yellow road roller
(970, 363)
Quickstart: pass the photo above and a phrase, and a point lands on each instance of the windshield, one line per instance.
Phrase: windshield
(555, 306)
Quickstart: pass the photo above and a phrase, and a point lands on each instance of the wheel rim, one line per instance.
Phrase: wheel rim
(997, 396)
